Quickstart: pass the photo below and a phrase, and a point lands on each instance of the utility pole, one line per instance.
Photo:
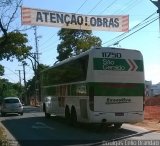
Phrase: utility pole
(37, 75)
(19, 71)
(25, 85)
(157, 4)
(36, 43)
(24, 73)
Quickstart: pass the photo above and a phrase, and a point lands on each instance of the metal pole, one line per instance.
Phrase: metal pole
(25, 90)
(19, 71)
(157, 4)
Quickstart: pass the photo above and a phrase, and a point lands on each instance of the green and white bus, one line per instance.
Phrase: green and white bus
(101, 85)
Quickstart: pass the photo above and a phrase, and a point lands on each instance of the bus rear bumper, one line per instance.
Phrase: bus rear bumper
(119, 117)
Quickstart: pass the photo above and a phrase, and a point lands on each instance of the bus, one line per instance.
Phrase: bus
(101, 85)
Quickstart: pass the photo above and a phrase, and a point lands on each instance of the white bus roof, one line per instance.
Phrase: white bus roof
(85, 53)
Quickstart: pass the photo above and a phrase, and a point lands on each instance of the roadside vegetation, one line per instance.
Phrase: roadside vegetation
(3, 140)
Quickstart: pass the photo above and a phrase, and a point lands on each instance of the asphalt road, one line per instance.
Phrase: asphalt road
(32, 129)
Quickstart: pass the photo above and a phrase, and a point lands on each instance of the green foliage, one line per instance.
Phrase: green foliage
(32, 82)
(14, 45)
(1, 70)
(8, 89)
(74, 42)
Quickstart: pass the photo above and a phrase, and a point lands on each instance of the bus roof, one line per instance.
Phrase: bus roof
(83, 54)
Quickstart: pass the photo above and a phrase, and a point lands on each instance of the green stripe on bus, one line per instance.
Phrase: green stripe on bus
(100, 89)
(117, 64)
(118, 89)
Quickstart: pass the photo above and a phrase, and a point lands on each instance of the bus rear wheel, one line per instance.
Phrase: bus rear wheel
(73, 116)
(67, 114)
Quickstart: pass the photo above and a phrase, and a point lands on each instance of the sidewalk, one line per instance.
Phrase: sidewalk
(2, 135)
(150, 124)
(6, 138)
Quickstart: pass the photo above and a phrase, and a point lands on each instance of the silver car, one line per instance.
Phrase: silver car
(11, 105)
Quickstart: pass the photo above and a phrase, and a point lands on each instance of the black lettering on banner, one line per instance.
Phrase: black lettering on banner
(80, 20)
(59, 18)
(73, 20)
(39, 17)
(99, 22)
(55, 17)
(86, 21)
(45, 15)
(93, 21)
(111, 23)
(52, 17)
(116, 22)
(67, 19)
(105, 22)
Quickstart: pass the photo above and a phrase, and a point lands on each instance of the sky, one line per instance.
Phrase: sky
(146, 40)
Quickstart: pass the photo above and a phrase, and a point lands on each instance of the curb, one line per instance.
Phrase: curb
(9, 137)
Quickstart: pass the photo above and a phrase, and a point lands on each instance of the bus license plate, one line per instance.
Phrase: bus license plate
(119, 114)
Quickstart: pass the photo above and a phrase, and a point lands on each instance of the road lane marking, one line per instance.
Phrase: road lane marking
(40, 125)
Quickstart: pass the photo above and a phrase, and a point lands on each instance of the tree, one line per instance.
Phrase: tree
(32, 82)
(8, 89)
(14, 46)
(1, 70)
(74, 42)
(12, 42)
(8, 14)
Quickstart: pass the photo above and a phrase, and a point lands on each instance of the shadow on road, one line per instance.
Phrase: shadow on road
(31, 109)
(38, 131)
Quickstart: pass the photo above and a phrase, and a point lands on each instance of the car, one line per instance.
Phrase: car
(11, 105)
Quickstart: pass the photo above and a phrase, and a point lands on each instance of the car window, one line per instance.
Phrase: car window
(11, 101)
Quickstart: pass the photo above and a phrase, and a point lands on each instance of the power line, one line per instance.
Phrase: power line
(48, 39)
(138, 29)
(76, 12)
(19, 71)
(11, 71)
(46, 48)
(107, 7)
(9, 78)
(81, 6)
(126, 6)
(123, 34)
(120, 38)
(138, 25)
(132, 5)
(56, 33)
(95, 6)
